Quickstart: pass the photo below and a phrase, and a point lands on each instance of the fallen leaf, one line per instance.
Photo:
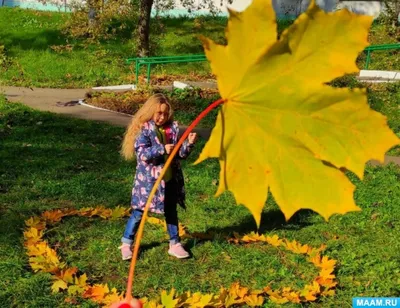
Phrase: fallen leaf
(198, 300)
(152, 304)
(167, 299)
(118, 212)
(327, 263)
(327, 283)
(237, 291)
(53, 216)
(328, 293)
(327, 273)
(96, 292)
(274, 240)
(253, 237)
(36, 222)
(297, 247)
(75, 290)
(33, 236)
(278, 300)
(254, 300)
(59, 284)
(43, 258)
(81, 280)
(105, 213)
(68, 274)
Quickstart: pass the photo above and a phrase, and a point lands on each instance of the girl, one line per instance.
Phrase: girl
(152, 135)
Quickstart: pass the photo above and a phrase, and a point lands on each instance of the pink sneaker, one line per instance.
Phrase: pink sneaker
(126, 251)
(177, 251)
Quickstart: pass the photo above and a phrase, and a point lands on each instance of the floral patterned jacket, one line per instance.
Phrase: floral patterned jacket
(150, 160)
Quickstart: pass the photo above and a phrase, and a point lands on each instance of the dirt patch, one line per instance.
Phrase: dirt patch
(129, 102)
(168, 79)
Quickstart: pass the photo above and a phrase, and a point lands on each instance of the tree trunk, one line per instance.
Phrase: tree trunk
(144, 27)
(92, 14)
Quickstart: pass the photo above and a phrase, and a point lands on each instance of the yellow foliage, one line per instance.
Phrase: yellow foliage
(67, 274)
(253, 237)
(112, 297)
(327, 263)
(155, 221)
(33, 236)
(36, 222)
(59, 284)
(168, 299)
(296, 247)
(53, 216)
(281, 126)
(237, 291)
(119, 212)
(254, 300)
(327, 273)
(75, 290)
(274, 240)
(106, 213)
(197, 300)
(44, 258)
(278, 300)
(96, 292)
(81, 280)
(152, 304)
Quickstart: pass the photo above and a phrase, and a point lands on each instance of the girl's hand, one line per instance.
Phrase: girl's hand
(192, 138)
(169, 148)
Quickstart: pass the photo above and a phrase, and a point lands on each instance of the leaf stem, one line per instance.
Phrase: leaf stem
(139, 236)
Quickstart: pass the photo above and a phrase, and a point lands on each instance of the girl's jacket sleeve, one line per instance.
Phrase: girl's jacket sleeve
(146, 148)
(185, 148)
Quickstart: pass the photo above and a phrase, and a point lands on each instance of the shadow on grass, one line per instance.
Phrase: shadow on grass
(271, 220)
(50, 161)
(33, 40)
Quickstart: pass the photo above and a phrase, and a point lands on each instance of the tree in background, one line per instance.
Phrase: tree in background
(146, 6)
(96, 20)
(393, 11)
(391, 17)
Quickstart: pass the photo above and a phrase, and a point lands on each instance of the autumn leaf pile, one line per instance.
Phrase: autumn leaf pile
(43, 258)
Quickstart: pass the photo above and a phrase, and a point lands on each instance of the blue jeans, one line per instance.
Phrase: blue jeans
(170, 213)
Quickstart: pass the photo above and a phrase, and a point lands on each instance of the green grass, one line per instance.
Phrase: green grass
(385, 98)
(28, 36)
(30, 60)
(51, 162)
(388, 60)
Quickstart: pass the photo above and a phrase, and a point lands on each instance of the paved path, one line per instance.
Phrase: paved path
(59, 101)
(53, 100)
(65, 101)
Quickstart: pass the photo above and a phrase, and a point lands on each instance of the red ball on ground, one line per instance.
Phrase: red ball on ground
(134, 303)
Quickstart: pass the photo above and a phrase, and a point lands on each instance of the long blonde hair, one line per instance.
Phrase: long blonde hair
(144, 114)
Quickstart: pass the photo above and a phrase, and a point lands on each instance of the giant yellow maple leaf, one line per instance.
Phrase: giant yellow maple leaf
(282, 127)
